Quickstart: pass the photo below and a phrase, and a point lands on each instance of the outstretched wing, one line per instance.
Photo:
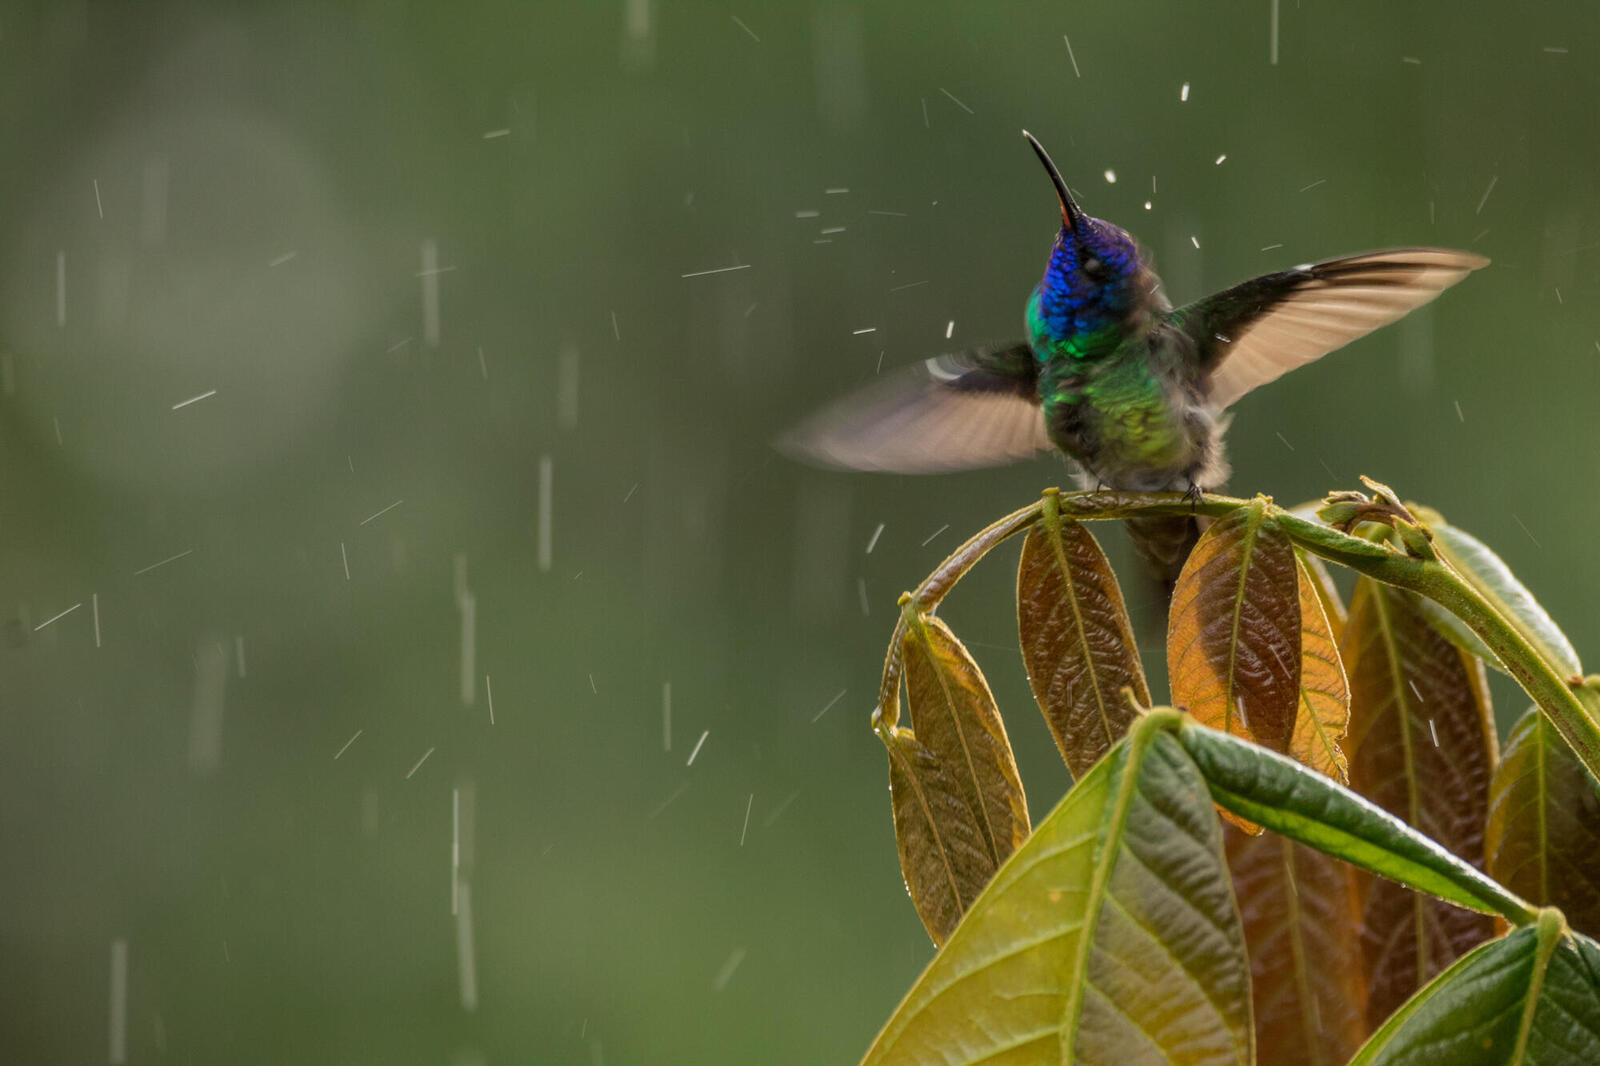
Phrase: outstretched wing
(1265, 327)
(953, 412)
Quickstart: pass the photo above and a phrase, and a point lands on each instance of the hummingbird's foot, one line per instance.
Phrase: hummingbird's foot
(1193, 494)
(1103, 492)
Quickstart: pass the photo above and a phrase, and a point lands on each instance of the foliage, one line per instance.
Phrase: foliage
(1312, 922)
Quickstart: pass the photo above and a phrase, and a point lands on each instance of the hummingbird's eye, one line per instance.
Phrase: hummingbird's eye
(1091, 266)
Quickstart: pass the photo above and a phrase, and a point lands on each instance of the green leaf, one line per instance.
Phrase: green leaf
(1274, 791)
(1421, 746)
(1484, 570)
(1077, 642)
(1303, 935)
(943, 856)
(1109, 937)
(1456, 632)
(1530, 998)
(955, 717)
(1233, 638)
(1543, 839)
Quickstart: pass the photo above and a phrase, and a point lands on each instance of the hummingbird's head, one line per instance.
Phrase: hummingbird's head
(1096, 280)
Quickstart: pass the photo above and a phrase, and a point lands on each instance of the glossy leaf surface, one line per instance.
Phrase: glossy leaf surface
(1109, 937)
(1233, 638)
(1077, 642)
(1485, 571)
(1303, 934)
(1543, 839)
(1456, 632)
(943, 856)
(1421, 746)
(1274, 791)
(1530, 998)
(954, 716)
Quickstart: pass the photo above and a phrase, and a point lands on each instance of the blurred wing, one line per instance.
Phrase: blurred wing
(954, 412)
(1265, 327)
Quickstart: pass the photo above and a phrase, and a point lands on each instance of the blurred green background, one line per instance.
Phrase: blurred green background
(436, 254)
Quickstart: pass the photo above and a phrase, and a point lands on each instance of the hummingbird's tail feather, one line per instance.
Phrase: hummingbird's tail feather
(1164, 544)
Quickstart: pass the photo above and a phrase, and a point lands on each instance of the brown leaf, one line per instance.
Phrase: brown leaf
(1077, 642)
(955, 717)
(1324, 693)
(1327, 592)
(943, 856)
(1421, 746)
(1301, 927)
(1233, 638)
(1543, 837)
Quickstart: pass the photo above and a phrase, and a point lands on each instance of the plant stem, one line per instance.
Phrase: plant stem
(933, 589)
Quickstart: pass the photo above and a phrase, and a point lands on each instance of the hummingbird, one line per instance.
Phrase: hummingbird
(1134, 391)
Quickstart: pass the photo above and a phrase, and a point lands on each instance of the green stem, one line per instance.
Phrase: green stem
(933, 589)
(964, 558)
(1533, 672)
(1103, 504)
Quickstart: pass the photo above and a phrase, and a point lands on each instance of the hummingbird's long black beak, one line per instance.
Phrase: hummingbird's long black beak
(1070, 212)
